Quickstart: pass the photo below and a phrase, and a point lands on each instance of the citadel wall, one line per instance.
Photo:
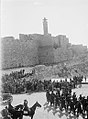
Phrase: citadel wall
(17, 53)
(45, 50)
(34, 49)
(62, 51)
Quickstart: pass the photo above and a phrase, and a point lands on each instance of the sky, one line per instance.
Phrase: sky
(65, 17)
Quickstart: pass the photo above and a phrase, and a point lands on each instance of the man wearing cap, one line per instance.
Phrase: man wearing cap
(26, 109)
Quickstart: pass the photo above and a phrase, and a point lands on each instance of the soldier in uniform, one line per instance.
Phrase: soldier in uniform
(52, 96)
(56, 100)
(62, 100)
(47, 95)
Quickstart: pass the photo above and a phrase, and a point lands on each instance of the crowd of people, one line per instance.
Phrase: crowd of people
(58, 93)
(64, 99)
(16, 82)
(13, 82)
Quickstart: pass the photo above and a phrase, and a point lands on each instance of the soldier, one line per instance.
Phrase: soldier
(72, 106)
(85, 78)
(26, 109)
(62, 100)
(68, 100)
(83, 101)
(74, 97)
(87, 106)
(25, 105)
(56, 101)
(79, 108)
(52, 96)
(47, 95)
(80, 97)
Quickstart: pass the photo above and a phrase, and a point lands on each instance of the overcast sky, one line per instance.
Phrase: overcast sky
(65, 17)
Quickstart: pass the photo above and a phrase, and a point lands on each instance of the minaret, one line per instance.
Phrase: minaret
(45, 26)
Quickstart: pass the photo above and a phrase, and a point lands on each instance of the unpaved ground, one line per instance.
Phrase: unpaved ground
(46, 112)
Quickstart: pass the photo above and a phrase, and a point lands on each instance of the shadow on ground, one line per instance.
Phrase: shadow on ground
(58, 112)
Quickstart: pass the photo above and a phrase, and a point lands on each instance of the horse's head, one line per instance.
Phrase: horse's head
(37, 104)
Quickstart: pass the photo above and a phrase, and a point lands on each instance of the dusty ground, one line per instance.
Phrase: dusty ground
(46, 112)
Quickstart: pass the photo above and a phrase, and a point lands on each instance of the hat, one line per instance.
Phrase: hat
(25, 101)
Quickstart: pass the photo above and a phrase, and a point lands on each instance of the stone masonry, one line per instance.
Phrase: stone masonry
(34, 49)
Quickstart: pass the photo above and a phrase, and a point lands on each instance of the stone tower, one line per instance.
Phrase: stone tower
(45, 26)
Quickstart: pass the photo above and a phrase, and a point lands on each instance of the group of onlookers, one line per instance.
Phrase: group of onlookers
(16, 82)
(13, 82)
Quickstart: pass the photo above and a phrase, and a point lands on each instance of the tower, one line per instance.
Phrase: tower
(45, 26)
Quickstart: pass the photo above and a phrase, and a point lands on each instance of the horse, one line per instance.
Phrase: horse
(15, 114)
(27, 112)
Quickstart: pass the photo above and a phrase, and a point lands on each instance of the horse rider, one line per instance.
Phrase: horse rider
(25, 106)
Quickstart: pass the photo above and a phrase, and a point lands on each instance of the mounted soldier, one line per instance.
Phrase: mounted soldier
(25, 105)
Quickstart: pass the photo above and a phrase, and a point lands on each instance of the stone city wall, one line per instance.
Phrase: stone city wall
(33, 49)
(16, 53)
